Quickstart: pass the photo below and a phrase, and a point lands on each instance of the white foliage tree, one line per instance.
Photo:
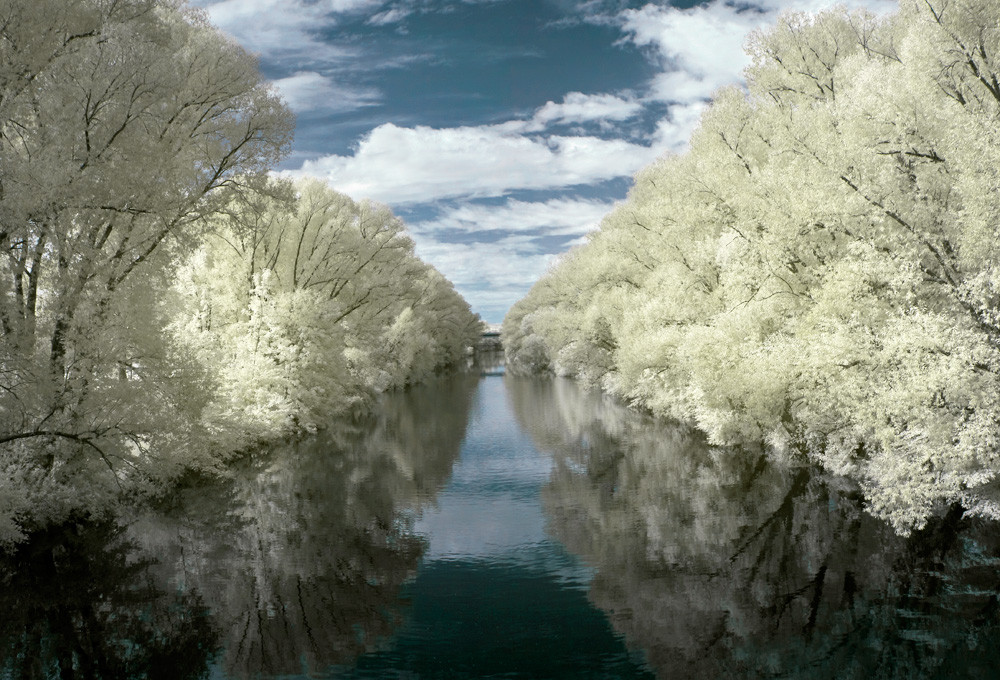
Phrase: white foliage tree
(302, 303)
(121, 122)
(819, 271)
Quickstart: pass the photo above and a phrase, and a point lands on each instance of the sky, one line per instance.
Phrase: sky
(500, 131)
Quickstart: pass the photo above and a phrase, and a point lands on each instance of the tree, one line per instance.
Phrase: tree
(122, 124)
(302, 302)
(819, 270)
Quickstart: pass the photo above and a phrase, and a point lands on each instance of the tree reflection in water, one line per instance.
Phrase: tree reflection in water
(292, 565)
(76, 603)
(303, 558)
(720, 562)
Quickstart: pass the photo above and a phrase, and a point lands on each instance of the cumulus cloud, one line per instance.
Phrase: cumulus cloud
(489, 277)
(285, 28)
(701, 48)
(399, 165)
(557, 217)
(311, 91)
(577, 107)
(673, 133)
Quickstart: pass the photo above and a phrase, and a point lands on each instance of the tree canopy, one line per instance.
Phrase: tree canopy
(162, 302)
(302, 303)
(820, 270)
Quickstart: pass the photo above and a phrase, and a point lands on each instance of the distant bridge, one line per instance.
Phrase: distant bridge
(489, 341)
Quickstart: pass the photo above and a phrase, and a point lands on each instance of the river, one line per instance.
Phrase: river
(505, 527)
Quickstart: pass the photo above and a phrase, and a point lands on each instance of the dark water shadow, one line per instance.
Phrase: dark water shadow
(79, 601)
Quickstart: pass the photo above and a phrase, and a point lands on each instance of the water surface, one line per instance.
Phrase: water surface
(495, 526)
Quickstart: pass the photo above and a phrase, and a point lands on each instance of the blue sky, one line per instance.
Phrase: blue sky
(501, 131)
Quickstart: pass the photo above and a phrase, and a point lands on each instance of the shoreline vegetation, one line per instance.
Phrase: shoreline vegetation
(820, 270)
(165, 302)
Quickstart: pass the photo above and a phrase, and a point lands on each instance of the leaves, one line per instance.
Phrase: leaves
(818, 272)
(301, 308)
(162, 303)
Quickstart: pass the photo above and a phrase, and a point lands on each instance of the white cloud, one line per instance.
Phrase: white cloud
(283, 28)
(557, 217)
(701, 48)
(390, 16)
(345, 6)
(400, 165)
(489, 276)
(674, 131)
(577, 107)
(309, 91)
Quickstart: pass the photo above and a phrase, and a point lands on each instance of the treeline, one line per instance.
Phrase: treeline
(163, 303)
(820, 270)
(300, 303)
